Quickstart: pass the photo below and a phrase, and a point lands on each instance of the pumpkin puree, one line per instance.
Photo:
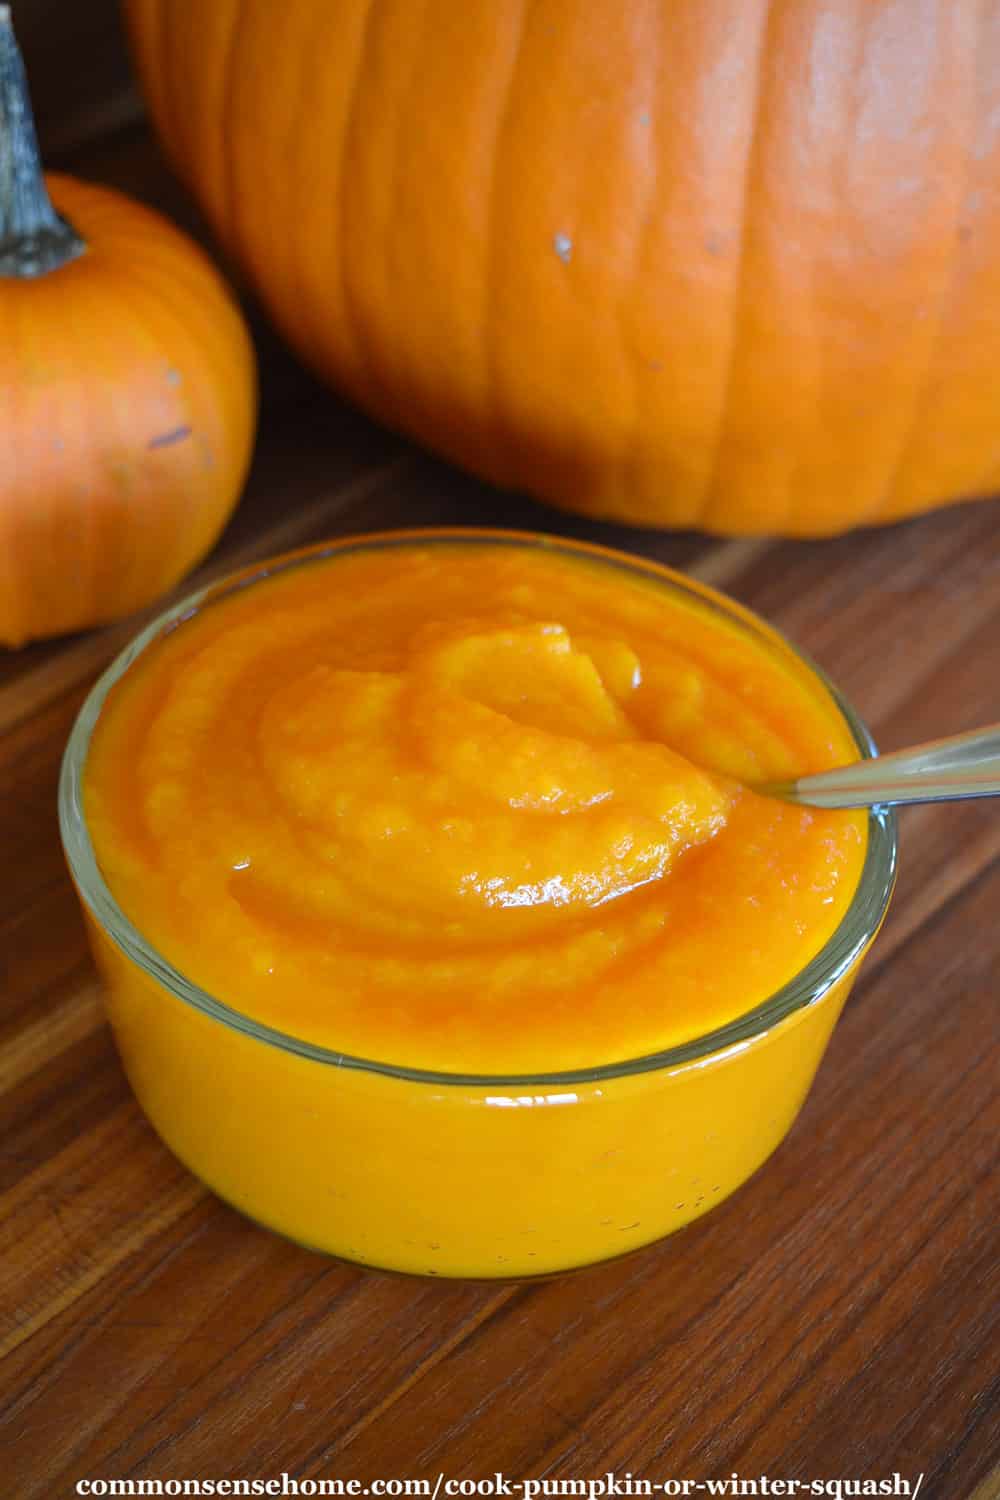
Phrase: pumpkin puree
(472, 808)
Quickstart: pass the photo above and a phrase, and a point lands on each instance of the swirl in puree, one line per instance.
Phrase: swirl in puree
(471, 808)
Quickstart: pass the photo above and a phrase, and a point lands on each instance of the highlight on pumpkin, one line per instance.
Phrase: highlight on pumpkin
(127, 392)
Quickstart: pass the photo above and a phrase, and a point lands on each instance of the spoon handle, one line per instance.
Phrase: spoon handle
(964, 765)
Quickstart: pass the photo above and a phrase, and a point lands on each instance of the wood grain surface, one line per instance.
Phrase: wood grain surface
(838, 1318)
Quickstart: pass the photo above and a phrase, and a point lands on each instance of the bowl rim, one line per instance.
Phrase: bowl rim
(829, 965)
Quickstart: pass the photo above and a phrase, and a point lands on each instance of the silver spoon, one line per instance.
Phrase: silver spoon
(964, 765)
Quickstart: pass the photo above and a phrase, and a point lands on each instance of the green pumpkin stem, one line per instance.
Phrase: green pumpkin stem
(34, 239)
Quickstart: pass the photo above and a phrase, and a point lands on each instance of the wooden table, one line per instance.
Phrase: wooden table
(838, 1318)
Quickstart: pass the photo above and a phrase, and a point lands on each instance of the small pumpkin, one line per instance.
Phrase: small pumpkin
(127, 392)
(732, 264)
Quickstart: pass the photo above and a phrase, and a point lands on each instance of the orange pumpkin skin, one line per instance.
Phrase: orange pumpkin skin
(720, 263)
(127, 411)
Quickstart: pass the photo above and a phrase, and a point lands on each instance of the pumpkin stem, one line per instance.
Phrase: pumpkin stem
(34, 239)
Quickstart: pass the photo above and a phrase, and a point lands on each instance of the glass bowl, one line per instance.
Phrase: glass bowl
(447, 1174)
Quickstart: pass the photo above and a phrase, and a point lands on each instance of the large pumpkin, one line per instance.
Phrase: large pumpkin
(715, 263)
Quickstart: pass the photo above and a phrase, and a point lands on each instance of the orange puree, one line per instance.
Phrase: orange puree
(472, 808)
(470, 811)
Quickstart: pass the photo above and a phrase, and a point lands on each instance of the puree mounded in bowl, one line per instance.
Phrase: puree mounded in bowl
(440, 928)
(472, 810)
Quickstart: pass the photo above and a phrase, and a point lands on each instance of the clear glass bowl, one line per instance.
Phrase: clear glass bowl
(448, 1174)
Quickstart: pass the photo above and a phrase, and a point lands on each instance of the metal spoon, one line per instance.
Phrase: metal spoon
(964, 765)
